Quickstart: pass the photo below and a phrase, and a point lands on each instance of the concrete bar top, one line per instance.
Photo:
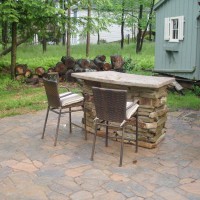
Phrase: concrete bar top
(125, 79)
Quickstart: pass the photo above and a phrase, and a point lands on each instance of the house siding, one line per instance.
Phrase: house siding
(198, 47)
(183, 55)
(113, 34)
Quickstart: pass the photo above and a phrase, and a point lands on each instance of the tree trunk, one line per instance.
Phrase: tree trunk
(68, 31)
(62, 5)
(150, 15)
(63, 39)
(98, 32)
(98, 38)
(122, 26)
(139, 35)
(150, 31)
(14, 49)
(88, 29)
(44, 44)
(3, 53)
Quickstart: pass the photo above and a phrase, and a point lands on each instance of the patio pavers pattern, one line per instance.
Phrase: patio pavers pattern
(33, 169)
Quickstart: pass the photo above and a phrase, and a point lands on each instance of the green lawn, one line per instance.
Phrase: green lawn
(18, 98)
(33, 56)
(187, 101)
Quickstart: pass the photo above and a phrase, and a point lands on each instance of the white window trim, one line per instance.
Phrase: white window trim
(168, 29)
(171, 29)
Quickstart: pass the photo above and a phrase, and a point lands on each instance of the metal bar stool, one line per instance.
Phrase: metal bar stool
(111, 106)
(58, 103)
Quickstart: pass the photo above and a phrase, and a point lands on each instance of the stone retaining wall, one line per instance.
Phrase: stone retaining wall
(152, 112)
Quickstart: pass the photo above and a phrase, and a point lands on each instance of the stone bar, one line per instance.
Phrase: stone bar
(151, 92)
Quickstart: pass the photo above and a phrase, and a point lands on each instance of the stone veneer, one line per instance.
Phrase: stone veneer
(152, 109)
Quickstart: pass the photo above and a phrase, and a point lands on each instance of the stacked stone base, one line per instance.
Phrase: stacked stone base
(152, 113)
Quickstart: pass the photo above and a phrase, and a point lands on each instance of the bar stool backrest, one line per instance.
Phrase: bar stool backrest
(51, 88)
(110, 104)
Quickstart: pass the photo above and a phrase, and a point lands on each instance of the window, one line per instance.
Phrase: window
(174, 27)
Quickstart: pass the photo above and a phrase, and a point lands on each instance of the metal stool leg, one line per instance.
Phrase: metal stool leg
(70, 121)
(122, 148)
(56, 136)
(85, 122)
(106, 142)
(45, 123)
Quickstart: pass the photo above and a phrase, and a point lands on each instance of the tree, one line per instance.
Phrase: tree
(88, 28)
(93, 22)
(68, 29)
(124, 11)
(26, 17)
(143, 24)
(122, 24)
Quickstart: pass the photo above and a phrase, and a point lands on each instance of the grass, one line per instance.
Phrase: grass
(17, 98)
(187, 101)
(33, 56)
(23, 99)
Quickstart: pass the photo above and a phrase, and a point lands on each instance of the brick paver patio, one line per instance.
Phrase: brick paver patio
(33, 169)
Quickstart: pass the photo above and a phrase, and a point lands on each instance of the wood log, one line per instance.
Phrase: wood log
(28, 73)
(77, 68)
(20, 77)
(20, 69)
(51, 69)
(84, 63)
(68, 76)
(32, 81)
(107, 66)
(35, 76)
(40, 71)
(117, 61)
(94, 66)
(102, 58)
(70, 62)
(99, 63)
(60, 68)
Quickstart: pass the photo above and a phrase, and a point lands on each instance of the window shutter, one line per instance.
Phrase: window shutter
(181, 28)
(167, 29)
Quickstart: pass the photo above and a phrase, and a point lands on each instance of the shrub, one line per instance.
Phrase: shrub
(196, 90)
(128, 65)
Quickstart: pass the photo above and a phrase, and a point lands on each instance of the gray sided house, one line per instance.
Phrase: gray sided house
(177, 50)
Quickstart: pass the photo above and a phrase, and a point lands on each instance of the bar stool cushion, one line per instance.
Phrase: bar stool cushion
(131, 108)
(68, 98)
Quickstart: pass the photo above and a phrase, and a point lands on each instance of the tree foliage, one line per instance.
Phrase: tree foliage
(21, 19)
(27, 17)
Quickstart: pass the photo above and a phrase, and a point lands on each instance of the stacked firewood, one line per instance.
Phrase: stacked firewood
(23, 73)
(69, 65)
